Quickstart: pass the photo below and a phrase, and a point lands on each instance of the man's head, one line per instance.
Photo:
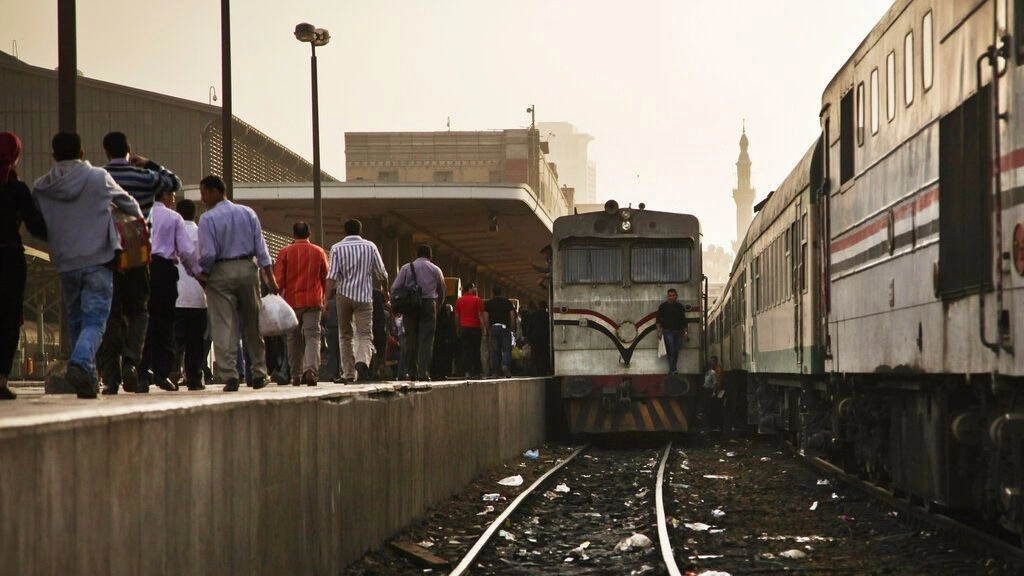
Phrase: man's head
(67, 146)
(496, 291)
(353, 227)
(672, 295)
(115, 144)
(713, 361)
(211, 190)
(471, 288)
(166, 198)
(187, 209)
(424, 251)
(300, 231)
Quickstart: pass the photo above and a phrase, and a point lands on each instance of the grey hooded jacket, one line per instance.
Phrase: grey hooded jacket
(75, 199)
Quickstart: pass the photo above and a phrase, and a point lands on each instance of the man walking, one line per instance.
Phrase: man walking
(419, 326)
(190, 310)
(671, 323)
(120, 353)
(75, 200)
(500, 321)
(230, 237)
(170, 243)
(355, 264)
(469, 318)
(301, 271)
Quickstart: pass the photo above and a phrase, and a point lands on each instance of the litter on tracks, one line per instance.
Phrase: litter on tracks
(516, 480)
(793, 554)
(492, 497)
(717, 477)
(634, 541)
(531, 454)
(697, 526)
(563, 488)
(814, 506)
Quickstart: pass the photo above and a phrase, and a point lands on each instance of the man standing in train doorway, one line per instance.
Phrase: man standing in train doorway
(671, 322)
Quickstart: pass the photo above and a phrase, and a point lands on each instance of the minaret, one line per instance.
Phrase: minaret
(743, 194)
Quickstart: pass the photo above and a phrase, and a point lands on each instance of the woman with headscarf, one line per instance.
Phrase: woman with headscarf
(16, 206)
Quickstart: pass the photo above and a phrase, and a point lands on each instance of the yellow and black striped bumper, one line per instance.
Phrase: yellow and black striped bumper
(595, 416)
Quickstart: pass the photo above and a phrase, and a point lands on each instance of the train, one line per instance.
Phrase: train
(610, 271)
(874, 305)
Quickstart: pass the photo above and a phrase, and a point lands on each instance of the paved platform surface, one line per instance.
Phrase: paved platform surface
(34, 408)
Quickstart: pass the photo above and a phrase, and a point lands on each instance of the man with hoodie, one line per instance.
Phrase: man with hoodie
(75, 199)
(120, 357)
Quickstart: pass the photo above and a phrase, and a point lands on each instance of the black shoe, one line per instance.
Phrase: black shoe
(343, 380)
(259, 383)
(362, 372)
(109, 390)
(129, 377)
(309, 378)
(166, 384)
(280, 379)
(231, 385)
(142, 389)
(195, 387)
(7, 394)
(81, 381)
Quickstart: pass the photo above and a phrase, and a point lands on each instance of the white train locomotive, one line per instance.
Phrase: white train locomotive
(875, 309)
(610, 272)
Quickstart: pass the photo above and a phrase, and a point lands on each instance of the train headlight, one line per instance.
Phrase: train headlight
(676, 385)
(626, 226)
(577, 387)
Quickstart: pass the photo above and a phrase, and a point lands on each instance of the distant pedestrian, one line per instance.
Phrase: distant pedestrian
(446, 341)
(190, 311)
(713, 394)
(671, 325)
(171, 244)
(355, 265)
(469, 318)
(301, 272)
(380, 334)
(230, 237)
(419, 326)
(500, 323)
(75, 200)
(16, 206)
(120, 357)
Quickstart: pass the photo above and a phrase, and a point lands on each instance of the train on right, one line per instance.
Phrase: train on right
(875, 310)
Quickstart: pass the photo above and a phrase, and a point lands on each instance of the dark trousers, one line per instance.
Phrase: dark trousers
(419, 334)
(158, 355)
(189, 342)
(126, 326)
(673, 339)
(470, 338)
(12, 294)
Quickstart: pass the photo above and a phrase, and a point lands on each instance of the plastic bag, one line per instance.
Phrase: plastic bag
(276, 316)
(661, 348)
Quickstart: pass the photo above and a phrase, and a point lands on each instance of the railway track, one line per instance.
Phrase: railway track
(984, 542)
(641, 489)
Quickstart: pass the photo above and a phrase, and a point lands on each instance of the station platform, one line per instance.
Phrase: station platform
(282, 480)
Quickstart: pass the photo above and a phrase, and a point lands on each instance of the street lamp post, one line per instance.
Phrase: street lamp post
(316, 37)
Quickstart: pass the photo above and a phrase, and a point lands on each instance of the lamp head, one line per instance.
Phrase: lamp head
(305, 32)
(322, 37)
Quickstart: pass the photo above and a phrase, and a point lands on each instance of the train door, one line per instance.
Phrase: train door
(817, 275)
(796, 266)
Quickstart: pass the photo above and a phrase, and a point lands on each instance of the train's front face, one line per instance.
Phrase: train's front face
(611, 271)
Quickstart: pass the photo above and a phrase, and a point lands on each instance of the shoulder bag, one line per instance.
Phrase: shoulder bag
(408, 298)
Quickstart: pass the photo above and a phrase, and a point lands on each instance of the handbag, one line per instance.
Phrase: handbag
(276, 316)
(133, 234)
(662, 352)
(407, 299)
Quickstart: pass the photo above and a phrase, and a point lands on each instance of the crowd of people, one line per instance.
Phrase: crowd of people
(133, 325)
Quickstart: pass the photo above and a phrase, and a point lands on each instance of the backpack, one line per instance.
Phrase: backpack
(407, 299)
(133, 233)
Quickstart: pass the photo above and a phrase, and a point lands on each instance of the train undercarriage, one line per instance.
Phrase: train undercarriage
(953, 443)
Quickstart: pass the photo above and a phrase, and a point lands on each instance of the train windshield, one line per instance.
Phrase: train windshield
(660, 262)
(592, 264)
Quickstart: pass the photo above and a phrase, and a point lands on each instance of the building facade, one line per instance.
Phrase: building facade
(515, 156)
(569, 152)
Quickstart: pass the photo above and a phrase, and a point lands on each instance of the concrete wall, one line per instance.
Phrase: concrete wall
(269, 484)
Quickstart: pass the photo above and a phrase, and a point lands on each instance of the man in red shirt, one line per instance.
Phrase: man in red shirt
(469, 314)
(301, 273)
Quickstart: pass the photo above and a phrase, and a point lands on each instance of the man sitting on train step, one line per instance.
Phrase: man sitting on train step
(671, 322)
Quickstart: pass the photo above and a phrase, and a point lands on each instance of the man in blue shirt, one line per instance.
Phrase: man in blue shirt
(230, 237)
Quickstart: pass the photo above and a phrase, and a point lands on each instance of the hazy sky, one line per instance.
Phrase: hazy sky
(662, 85)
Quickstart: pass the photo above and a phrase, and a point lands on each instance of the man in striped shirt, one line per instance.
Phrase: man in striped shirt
(354, 264)
(301, 270)
(121, 351)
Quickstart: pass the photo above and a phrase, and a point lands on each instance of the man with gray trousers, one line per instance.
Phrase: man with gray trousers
(75, 199)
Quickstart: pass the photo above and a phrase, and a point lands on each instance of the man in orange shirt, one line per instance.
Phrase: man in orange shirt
(469, 314)
(301, 273)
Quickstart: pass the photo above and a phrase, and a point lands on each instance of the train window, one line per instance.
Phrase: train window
(846, 138)
(592, 264)
(908, 68)
(926, 51)
(860, 114)
(874, 101)
(660, 262)
(803, 253)
(890, 86)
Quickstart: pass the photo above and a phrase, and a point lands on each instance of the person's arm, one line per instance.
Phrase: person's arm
(380, 273)
(657, 322)
(207, 245)
(159, 179)
(27, 207)
(120, 198)
(281, 268)
(512, 319)
(185, 247)
(331, 280)
(481, 314)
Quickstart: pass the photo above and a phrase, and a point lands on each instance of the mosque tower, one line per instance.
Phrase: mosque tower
(743, 194)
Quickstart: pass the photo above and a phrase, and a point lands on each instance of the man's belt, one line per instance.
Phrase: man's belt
(249, 257)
